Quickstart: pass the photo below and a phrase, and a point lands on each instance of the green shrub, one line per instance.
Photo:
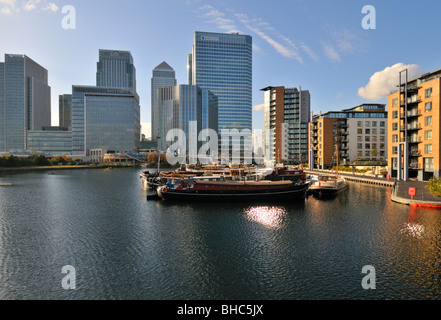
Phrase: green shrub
(434, 186)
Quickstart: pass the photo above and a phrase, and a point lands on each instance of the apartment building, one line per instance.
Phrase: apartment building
(358, 133)
(414, 128)
(287, 114)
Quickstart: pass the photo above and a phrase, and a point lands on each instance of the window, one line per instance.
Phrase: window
(359, 146)
(428, 106)
(395, 138)
(382, 146)
(428, 148)
(394, 114)
(382, 131)
(428, 120)
(334, 124)
(382, 123)
(359, 153)
(334, 131)
(428, 135)
(367, 145)
(428, 163)
(383, 138)
(367, 123)
(374, 123)
(394, 150)
(428, 93)
(368, 131)
(367, 153)
(395, 102)
(359, 123)
(394, 126)
(367, 138)
(374, 131)
(359, 131)
(374, 138)
(359, 138)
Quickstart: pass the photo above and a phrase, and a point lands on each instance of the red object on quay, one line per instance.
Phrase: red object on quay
(412, 191)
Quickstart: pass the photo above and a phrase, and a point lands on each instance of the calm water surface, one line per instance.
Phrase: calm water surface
(125, 247)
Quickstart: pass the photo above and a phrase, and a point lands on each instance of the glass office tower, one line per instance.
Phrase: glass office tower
(24, 101)
(65, 111)
(181, 104)
(222, 63)
(115, 69)
(104, 118)
(163, 76)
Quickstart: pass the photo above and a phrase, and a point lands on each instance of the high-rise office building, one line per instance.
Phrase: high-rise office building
(65, 110)
(179, 105)
(115, 69)
(24, 100)
(163, 76)
(107, 116)
(222, 63)
(104, 118)
(287, 112)
(414, 128)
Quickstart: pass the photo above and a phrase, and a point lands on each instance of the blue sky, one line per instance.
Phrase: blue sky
(319, 45)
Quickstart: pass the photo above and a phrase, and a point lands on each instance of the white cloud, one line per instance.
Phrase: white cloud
(51, 7)
(31, 4)
(6, 11)
(341, 41)
(383, 82)
(331, 52)
(262, 29)
(281, 43)
(217, 17)
(8, 7)
(259, 107)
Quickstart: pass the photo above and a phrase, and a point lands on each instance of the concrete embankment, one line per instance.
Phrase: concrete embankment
(401, 192)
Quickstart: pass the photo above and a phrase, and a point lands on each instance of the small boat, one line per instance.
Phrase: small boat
(327, 185)
(231, 190)
(8, 184)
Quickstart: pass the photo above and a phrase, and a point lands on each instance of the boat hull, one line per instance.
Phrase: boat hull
(286, 194)
(326, 191)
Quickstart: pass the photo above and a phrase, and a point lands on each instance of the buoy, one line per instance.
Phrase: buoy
(164, 190)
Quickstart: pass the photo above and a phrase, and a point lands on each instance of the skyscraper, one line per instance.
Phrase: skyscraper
(107, 116)
(24, 100)
(65, 111)
(115, 69)
(222, 63)
(163, 76)
(179, 105)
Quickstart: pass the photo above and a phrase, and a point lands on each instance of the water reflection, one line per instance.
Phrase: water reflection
(411, 227)
(270, 217)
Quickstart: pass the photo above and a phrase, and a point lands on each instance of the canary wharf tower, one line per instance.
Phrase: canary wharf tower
(222, 63)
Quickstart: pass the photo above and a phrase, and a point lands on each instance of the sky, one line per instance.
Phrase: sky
(344, 53)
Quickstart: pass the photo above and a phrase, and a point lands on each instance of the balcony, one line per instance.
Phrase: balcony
(411, 114)
(411, 100)
(415, 140)
(412, 126)
(415, 153)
